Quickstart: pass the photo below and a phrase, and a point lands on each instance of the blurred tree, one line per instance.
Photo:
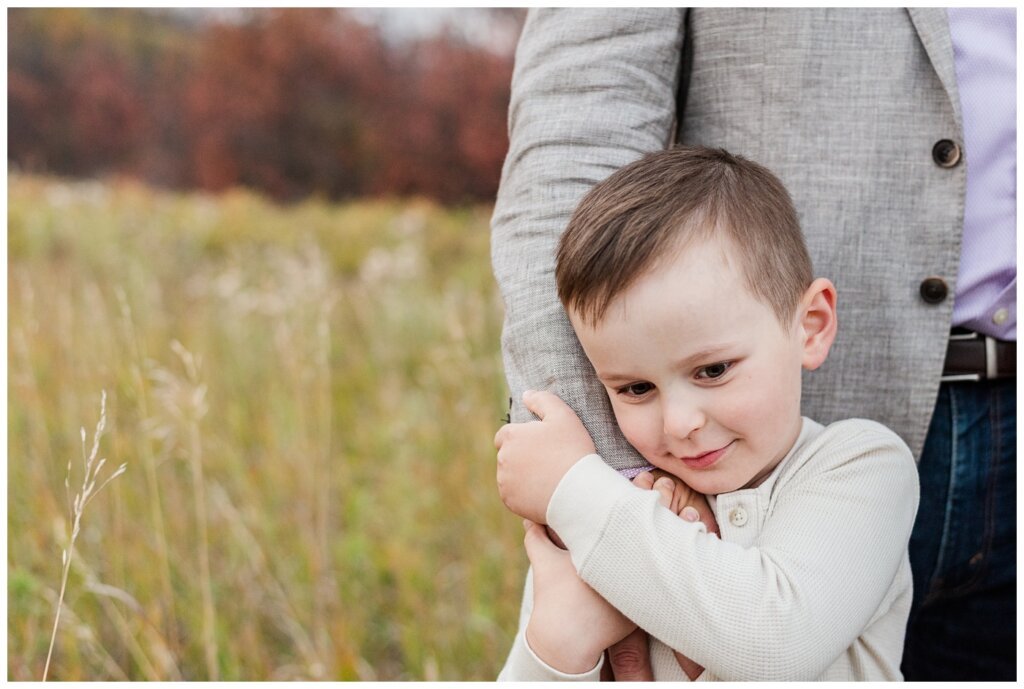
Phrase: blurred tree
(82, 84)
(442, 135)
(281, 101)
(290, 102)
(78, 115)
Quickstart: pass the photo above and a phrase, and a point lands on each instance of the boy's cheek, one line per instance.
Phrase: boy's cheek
(638, 432)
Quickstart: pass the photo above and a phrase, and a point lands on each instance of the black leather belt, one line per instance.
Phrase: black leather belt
(973, 356)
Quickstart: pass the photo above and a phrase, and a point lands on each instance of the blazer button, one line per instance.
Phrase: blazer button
(946, 153)
(934, 290)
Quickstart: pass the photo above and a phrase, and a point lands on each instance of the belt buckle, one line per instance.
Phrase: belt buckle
(991, 371)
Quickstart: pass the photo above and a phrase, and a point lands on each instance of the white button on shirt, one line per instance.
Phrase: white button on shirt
(741, 514)
(1000, 316)
(738, 516)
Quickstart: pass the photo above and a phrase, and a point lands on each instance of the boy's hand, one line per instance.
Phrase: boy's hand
(534, 456)
(571, 624)
(679, 497)
(691, 506)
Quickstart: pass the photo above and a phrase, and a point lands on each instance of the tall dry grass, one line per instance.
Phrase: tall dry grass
(306, 398)
(92, 468)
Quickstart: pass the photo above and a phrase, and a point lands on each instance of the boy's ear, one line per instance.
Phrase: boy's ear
(818, 322)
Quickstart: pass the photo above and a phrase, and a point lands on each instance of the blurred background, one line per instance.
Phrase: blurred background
(263, 235)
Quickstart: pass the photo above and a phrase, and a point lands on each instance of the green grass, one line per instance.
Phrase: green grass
(305, 397)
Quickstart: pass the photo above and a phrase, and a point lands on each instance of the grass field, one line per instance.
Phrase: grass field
(305, 398)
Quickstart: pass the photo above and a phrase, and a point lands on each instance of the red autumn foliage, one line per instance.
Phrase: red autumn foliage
(75, 115)
(443, 132)
(289, 102)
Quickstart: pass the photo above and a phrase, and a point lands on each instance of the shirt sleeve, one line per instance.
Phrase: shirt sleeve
(592, 90)
(783, 609)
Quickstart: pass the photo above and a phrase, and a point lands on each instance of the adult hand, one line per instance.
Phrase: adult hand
(629, 660)
(571, 624)
(534, 456)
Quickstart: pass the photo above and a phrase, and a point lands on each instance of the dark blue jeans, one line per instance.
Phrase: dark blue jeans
(963, 550)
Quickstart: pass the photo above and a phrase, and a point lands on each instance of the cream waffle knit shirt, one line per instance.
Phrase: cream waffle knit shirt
(810, 580)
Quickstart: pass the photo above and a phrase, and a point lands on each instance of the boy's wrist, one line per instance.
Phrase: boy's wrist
(571, 657)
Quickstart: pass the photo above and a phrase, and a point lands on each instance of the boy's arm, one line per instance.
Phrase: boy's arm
(565, 626)
(592, 91)
(784, 609)
(532, 458)
(523, 665)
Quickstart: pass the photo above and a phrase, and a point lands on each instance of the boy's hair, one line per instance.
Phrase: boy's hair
(651, 208)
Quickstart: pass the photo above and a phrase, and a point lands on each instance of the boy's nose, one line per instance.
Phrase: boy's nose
(681, 418)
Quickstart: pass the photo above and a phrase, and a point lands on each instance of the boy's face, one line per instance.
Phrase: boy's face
(703, 379)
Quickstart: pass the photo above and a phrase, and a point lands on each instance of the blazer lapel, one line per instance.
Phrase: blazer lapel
(932, 27)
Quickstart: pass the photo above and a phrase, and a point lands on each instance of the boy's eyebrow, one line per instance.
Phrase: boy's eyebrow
(614, 378)
(704, 354)
(700, 355)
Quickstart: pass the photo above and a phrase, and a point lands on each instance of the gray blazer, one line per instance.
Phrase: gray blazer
(845, 105)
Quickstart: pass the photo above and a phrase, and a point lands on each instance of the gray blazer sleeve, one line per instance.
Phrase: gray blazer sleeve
(592, 91)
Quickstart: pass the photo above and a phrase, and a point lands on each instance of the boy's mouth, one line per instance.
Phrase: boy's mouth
(705, 460)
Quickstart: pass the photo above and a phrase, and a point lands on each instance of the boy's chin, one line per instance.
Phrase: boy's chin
(709, 487)
(711, 484)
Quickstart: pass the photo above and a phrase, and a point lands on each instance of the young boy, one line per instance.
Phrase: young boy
(686, 279)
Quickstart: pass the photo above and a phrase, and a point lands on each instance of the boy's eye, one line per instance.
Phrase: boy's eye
(714, 370)
(637, 389)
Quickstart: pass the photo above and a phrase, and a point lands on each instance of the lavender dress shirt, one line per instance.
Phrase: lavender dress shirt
(984, 50)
